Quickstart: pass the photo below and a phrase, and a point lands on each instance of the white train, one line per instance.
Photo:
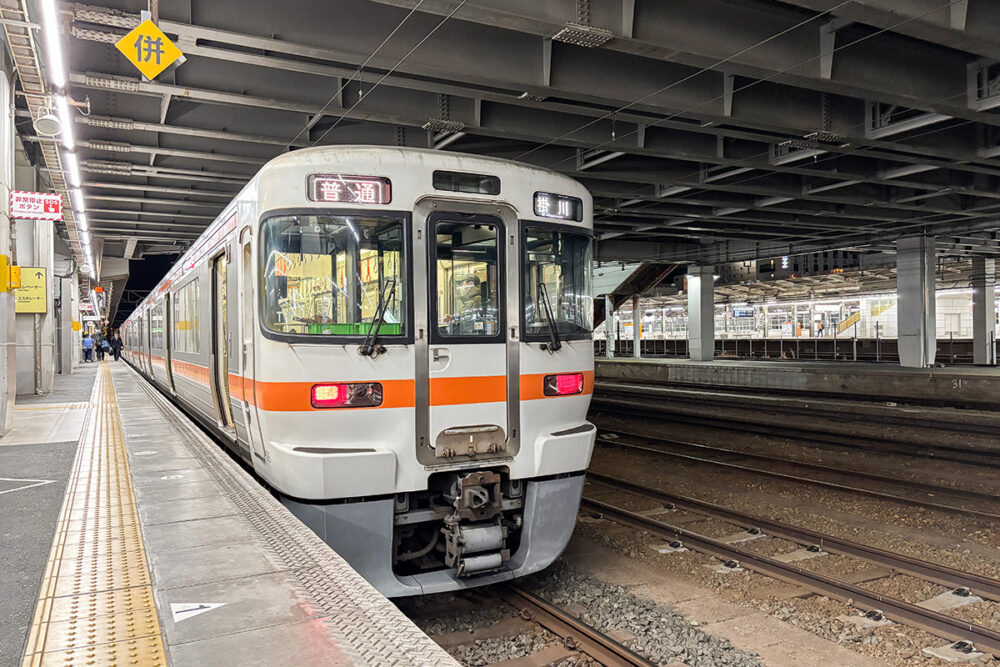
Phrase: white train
(398, 341)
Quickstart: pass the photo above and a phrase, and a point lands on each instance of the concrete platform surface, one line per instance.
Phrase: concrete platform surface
(972, 386)
(167, 552)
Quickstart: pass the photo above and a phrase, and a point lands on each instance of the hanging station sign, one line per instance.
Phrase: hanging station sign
(149, 49)
(35, 205)
(31, 294)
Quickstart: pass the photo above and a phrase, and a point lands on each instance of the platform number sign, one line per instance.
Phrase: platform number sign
(149, 49)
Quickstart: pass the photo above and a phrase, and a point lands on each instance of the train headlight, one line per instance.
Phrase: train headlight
(564, 384)
(346, 395)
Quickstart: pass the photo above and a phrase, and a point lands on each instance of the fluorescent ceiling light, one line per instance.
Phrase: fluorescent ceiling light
(72, 169)
(53, 48)
(66, 134)
(77, 195)
(81, 222)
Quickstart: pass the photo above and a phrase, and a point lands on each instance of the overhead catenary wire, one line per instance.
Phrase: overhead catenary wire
(389, 73)
(753, 158)
(703, 70)
(309, 125)
(756, 82)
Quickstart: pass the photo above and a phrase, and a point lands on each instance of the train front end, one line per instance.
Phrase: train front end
(423, 360)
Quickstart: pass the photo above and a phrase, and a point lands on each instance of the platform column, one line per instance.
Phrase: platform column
(983, 310)
(917, 328)
(609, 326)
(8, 341)
(636, 328)
(701, 312)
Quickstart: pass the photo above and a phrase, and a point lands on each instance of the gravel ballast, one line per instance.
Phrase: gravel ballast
(660, 635)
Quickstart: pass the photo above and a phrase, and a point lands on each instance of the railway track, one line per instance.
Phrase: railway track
(933, 622)
(627, 406)
(560, 634)
(574, 633)
(927, 495)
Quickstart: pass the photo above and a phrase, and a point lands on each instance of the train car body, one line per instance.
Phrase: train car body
(398, 342)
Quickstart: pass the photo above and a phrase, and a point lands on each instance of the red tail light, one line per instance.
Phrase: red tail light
(564, 384)
(347, 395)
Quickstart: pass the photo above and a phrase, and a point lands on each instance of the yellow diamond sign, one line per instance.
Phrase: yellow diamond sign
(148, 49)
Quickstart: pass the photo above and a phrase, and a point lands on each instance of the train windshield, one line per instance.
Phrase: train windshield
(561, 262)
(326, 274)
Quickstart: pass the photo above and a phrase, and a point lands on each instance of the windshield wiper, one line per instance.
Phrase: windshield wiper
(370, 347)
(554, 341)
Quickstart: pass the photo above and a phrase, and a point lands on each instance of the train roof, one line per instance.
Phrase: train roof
(371, 159)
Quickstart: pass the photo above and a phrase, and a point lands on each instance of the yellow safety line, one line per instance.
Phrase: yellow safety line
(96, 603)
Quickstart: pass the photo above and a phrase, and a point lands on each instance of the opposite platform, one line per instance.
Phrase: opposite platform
(168, 552)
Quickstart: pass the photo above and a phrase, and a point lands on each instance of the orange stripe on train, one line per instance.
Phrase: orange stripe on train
(296, 396)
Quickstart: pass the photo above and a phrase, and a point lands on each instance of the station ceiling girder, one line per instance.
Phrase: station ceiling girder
(710, 123)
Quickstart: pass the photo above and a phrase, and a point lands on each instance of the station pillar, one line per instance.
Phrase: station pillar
(983, 311)
(701, 312)
(916, 312)
(609, 326)
(636, 328)
(8, 342)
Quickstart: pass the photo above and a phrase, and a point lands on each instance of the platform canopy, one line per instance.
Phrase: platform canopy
(708, 130)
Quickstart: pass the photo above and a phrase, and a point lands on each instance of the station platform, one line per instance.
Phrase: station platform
(131, 538)
(972, 387)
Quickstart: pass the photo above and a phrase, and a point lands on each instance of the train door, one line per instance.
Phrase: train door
(470, 384)
(247, 311)
(139, 350)
(220, 340)
(147, 342)
(168, 325)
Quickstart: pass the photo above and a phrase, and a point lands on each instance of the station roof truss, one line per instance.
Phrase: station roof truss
(708, 130)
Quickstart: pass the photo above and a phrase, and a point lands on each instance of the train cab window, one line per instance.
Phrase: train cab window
(557, 269)
(327, 274)
(467, 277)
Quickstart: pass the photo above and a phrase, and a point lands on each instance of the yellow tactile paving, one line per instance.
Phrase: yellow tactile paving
(96, 605)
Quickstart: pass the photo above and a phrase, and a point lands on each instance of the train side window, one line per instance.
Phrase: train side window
(467, 273)
(156, 326)
(186, 320)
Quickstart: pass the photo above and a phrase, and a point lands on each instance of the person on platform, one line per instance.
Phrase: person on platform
(88, 347)
(99, 346)
(116, 345)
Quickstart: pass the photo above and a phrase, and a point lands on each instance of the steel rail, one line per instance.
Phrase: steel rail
(822, 406)
(864, 443)
(909, 614)
(798, 408)
(983, 586)
(923, 488)
(586, 639)
(979, 419)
